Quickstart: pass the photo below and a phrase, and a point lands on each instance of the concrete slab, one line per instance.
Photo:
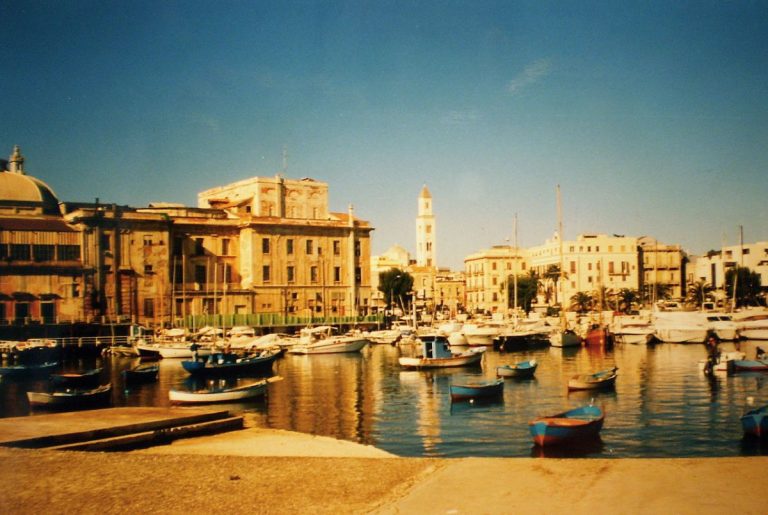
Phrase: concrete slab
(44, 430)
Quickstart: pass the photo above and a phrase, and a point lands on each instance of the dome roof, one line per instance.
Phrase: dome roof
(17, 189)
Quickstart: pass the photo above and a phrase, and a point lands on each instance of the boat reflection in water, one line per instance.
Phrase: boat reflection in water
(661, 406)
(592, 447)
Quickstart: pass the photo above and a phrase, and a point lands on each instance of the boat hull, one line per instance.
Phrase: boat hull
(142, 374)
(564, 339)
(248, 391)
(673, 335)
(472, 357)
(84, 380)
(231, 367)
(69, 400)
(599, 381)
(337, 347)
(480, 390)
(755, 422)
(523, 370)
(580, 424)
(752, 365)
(28, 370)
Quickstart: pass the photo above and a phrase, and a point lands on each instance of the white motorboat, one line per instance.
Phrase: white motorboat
(383, 336)
(633, 330)
(321, 340)
(480, 335)
(722, 325)
(680, 327)
(223, 394)
(752, 324)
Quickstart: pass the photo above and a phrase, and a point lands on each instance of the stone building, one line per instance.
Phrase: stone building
(486, 274)
(663, 265)
(42, 274)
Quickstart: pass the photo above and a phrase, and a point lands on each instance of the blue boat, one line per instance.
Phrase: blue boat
(573, 426)
(521, 370)
(477, 390)
(755, 422)
(28, 370)
(225, 363)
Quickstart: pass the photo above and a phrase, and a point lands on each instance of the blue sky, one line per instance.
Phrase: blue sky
(652, 116)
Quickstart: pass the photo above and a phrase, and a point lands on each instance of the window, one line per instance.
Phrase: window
(610, 267)
(429, 229)
(358, 275)
(357, 249)
(493, 266)
(336, 247)
(43, 252)
(573, 267)
(178, 246)
(20, 252)
(313, 274)
(265, 245)
(201, 275)
(147, 240)
(48, 311)
(148, 269)
(265, 273)
(309, 247)
(68, 252)
(3, 250)
(149, 307)
(589, 266)
(178, 273)
(289, 246)
(199, 249)
(337, 274)
(225, 247)
(105, 242)
(290, 271)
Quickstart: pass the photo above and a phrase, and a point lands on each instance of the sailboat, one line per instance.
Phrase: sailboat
(562, 337)
(598, 333)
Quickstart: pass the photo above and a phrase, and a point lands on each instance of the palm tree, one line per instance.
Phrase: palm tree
(527, 288)
(697, 292)
(748, 285)
(581, 302)
(627, 297)
(551, 277)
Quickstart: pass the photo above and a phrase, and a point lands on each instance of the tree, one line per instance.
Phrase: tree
(748, 286)
(581, 302)
(697, 292)
(551, 276)
(527, 288)
(627, 297)
(395, 284)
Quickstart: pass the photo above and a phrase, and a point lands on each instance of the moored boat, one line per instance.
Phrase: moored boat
(600, 380)
(477, 390)
(223, 363)
(217, 393)
(87, 379)
(755, 422)
(750, 365)
(321, 340)
(520, 370)
(436, 353)
(71, 398)
(564, 338)
(572, 426)
(599, 336)
(145, 373)
(28, 370)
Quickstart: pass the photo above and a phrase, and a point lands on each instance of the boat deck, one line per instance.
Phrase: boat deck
(111, 428)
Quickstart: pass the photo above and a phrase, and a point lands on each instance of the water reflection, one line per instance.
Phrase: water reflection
(661, 406)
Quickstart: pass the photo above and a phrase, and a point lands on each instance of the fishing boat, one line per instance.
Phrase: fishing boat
(145, 373)
(600, 380)
(599, 335)
(87, 379)
(28, 370)
(436, 353)
(71, 398)
(755, 422)
(521, 370)
(579, 424)
(225, 363)
(477, 390)
(322, 340)
(217, 393)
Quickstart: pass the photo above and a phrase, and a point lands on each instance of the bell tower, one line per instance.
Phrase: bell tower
(426, 251)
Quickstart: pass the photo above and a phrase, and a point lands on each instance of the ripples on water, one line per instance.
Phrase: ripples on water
(662, 406)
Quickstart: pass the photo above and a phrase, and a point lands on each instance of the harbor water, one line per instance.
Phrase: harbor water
(662, 404)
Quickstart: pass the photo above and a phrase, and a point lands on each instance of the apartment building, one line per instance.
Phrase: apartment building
(486, 274)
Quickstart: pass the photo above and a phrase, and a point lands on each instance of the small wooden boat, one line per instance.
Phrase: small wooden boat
(436, 353)
(600, 380)
(82, 380)
(755, 422)
(145, 373)
(222, 394)
(28, 370)
(222, 363)
(521, 370)
(579, 424)
(754, 365)
(477, 390)
(71, 399)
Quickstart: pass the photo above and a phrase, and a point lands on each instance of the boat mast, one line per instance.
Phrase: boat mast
(514, 268)
(563, 320)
